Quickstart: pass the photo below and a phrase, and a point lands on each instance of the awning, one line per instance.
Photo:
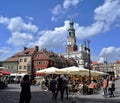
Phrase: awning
(4, 72)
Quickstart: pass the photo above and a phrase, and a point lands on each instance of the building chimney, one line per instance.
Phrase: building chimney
(36, 48)
(25, 48)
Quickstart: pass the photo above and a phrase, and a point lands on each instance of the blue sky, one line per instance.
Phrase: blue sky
(45, 23)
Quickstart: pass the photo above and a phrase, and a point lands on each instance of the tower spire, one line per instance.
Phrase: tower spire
(71, 39)
(71, 23)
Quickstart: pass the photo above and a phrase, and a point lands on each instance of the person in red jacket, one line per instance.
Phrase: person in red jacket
(91, 87)
(105, 85)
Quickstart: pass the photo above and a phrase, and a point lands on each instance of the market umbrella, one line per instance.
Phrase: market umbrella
(72, 70)
(67, 70)
(83, 71)
(97, 73)
(50, 70)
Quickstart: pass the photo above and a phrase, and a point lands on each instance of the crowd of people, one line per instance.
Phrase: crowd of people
(61, 84)
(108, 86)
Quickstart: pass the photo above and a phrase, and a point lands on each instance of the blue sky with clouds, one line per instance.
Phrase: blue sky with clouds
(45, 23)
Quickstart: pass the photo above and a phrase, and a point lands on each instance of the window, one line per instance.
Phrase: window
(39, 62)
(20, 67)
(25, 59)
(25, 67)
(44, 62)
(69, 33)
(20, 60)
(39, 55)
(35, 62)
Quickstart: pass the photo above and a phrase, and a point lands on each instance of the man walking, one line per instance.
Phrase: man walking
(59, 87)
(65, 85)
(53, 83)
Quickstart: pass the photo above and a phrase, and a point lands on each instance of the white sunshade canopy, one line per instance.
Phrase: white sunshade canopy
(50, 70)
(67, 70)
(97, 73)
(72, 70)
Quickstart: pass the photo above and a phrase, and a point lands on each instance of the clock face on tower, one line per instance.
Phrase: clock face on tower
(71, 39)
(69, 43)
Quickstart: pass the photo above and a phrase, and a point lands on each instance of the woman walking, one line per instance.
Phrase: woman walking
(25, 94)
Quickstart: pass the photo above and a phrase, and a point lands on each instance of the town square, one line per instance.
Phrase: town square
(60, 51)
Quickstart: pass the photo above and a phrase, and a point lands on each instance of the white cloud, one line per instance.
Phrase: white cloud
(101, 60)
(108, 12)
(104, 15)
(53, 18)
(4, 20)
(20, 39)
(21, 32)
(69, 3)
(53, 39)
(61, 9)
(117, 25)
(17, 24)
(29, 18)
(58, 9)
(4, 52)
(84, 32)
(110, 52)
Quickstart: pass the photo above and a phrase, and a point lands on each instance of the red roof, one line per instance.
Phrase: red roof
(26, 51)
(117, 61)
(94, 63)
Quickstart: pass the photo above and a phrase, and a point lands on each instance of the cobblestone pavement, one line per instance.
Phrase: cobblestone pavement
(11, 95)
(12, 92)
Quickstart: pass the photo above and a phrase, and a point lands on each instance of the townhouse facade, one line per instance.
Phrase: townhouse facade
(21, 62)
(25, 60)
(30, 60)
(11, 63)
(116, 68)
(44, 59)
(111, 68)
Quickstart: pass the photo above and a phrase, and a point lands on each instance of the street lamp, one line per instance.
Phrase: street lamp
(105, 65)
(87, 48)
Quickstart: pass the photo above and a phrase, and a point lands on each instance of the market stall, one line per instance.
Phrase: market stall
(4, 75)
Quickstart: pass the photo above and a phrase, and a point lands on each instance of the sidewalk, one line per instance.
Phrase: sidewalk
(99, 95)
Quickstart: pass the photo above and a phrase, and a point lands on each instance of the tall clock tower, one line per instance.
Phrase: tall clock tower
(71, 39)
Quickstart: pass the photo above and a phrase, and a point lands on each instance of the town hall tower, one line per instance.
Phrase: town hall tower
(71, 39)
